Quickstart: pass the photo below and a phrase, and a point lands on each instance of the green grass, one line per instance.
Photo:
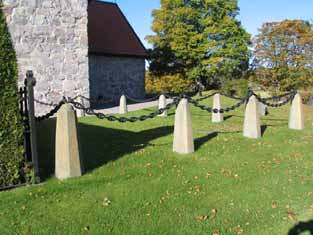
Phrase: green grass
(230, 185)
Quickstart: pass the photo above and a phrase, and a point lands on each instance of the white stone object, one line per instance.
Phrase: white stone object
(262, 109)
(67, 157)
(252, 127)
(217, 117)
(296, 117)
(183, 140)
(162, 105)
(80, 113)
(123, 105)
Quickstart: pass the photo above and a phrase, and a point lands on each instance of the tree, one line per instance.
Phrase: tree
(199, 39)
(11, 153)
(283, 54)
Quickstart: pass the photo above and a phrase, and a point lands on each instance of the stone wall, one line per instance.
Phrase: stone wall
(110, 77)
(50, 38)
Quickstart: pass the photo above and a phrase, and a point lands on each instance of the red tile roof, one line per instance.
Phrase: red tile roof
(110, 33)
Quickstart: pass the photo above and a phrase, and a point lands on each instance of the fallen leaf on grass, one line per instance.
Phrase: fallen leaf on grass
(225, 172)
(213, 213)
(216, 232)
(274, 205)
(238, 230)
(106, 202)
(201, 218)
(291, 215)
(162, 199)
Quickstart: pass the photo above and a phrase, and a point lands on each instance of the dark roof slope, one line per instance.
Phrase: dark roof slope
(110, 33)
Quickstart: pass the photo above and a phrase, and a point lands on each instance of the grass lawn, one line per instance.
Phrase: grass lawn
(134, 184)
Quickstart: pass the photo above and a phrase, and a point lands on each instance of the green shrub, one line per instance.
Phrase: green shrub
(167, 84)
(237, 87)
(11, 152)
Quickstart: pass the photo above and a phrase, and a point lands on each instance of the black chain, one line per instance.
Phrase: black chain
(206, 97)
(279, 97)
(176, 100)
(223, 110)
(230, 96)
(290, 97)
(51, 112)
(45, 103)
(142, 101)
(93, 100)
(112, 118)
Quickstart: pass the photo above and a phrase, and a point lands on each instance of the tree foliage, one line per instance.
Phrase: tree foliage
(199, 39)
(11, 153)
(283, 54)
(167, 84)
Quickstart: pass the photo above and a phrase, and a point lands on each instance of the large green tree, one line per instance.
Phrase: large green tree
(199, 39)
(11, 153)
(283, 54)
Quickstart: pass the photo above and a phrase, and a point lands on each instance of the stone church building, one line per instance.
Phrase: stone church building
(76, 47)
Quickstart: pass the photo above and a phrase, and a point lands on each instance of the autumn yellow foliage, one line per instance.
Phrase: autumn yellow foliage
(167, 84)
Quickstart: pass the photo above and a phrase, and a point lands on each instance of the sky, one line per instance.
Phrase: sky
(253, 13)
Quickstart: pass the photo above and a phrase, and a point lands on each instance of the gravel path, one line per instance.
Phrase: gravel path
(132, 107)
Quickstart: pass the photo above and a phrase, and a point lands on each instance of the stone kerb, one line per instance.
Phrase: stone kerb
(262, 109)
(162, 105)
(183, 139)
(217, 117)
(80, 112)
(252, 126)
(123, 105)
(67, 156)
(296, 116)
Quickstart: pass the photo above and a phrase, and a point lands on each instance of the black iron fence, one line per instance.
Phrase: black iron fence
(27, 112)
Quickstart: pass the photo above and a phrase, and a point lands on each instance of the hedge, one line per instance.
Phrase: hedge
(11, 150)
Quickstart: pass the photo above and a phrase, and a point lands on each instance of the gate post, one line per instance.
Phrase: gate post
(30, 83)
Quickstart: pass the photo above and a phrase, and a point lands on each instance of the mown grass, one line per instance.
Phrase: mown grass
(135, 184)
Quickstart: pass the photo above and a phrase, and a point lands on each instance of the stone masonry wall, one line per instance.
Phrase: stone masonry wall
(50, 38)
(110, 77)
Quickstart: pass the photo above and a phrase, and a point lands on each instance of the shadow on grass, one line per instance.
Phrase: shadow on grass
(302, 228)
(227, 117)
(263, 129)
(202, 140)
(98, 145)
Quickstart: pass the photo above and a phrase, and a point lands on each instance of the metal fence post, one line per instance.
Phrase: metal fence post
(31, 82)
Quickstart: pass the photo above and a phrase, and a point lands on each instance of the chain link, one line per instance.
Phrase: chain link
(206, 97)
(176, 100)
(113, 118)
(223, 110)
(45, 103)
(51, 112)
(279, 97)
(230, 96)
(93, 100)
(142, 101)
(289, 97)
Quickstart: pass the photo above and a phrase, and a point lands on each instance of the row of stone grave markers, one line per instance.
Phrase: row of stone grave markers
(67, 156)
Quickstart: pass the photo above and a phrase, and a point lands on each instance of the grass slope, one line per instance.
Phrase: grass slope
(134, 184)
